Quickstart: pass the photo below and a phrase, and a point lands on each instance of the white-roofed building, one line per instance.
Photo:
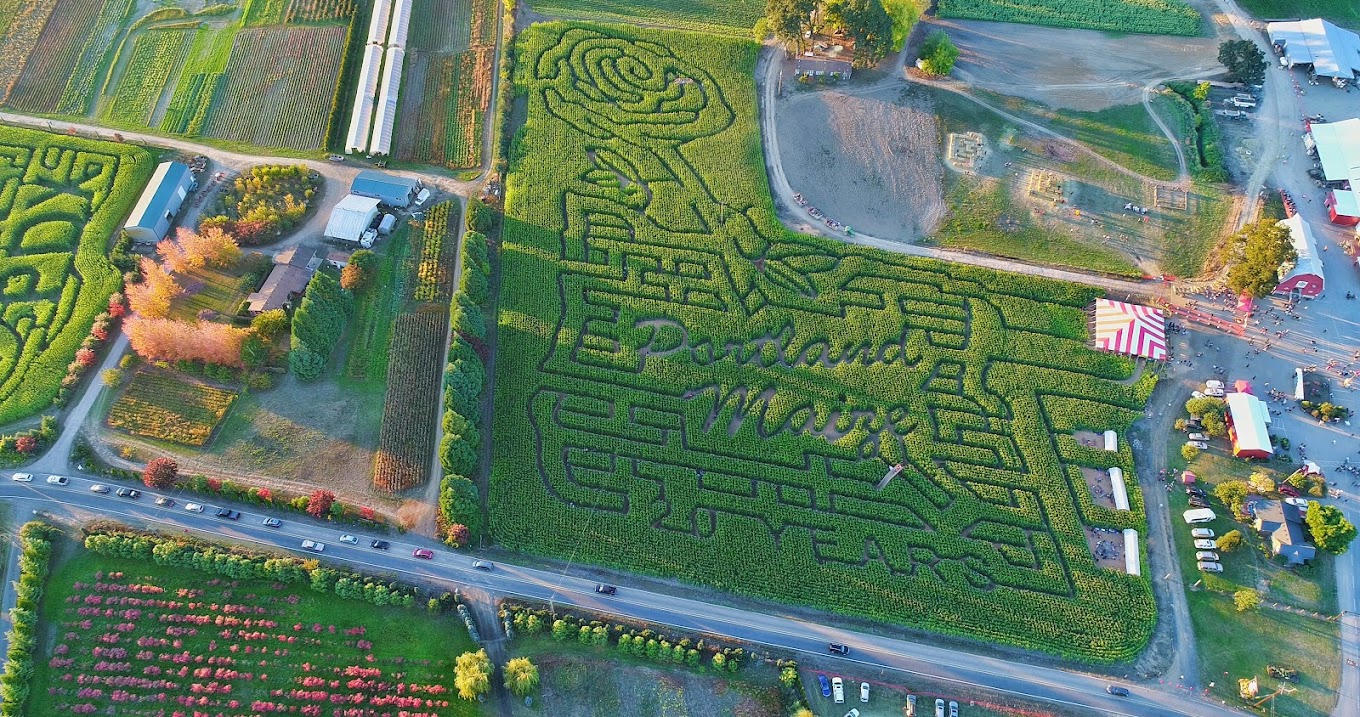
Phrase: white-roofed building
(365, 93)
(1338, 150)
(351, 217)
(1330, 50)
(1248, 418)
(377, 27)
(401, 23)
(384, 122)
(1304, 275)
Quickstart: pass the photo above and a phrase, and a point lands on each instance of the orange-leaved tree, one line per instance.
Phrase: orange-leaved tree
(168, 340)
(151, 298)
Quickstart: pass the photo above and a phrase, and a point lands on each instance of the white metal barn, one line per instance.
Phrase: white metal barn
(351, 216)
(386, 118)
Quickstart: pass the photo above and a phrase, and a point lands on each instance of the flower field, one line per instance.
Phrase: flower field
(699, 393)
(156, 55)
(1157, 17)
(143, 640)
(66, 196)
(170, 406)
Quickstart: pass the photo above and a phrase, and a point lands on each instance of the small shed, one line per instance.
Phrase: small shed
(389, 189)
(1111, 441)
(1119, 489)
(160, 202)
(339, 258)
(351, 217)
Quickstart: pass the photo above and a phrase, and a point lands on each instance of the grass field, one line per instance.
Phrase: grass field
(1158, 17)
(731, 17)
(376, 310)
(1341, 12)
(325, 638)
(701, 394)
(170, 406)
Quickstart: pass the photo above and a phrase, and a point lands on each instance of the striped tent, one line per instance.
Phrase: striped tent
(1130, 329)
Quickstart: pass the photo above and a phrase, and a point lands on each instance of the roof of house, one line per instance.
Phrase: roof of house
(284, 281)
(821, 64)
(1249, 416)
(155, 199)
(339, 256)
(296, 256)
(1332, 51)
(380, 184)
(1338, 149)
(1282, 521)
(351, 216)
(1305, 246)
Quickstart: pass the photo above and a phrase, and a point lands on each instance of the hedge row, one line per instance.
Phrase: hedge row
(317, 325)
(35, 540)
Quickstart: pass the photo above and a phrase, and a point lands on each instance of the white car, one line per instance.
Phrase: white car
(854, 712)
(837, 690)
(1206, 555)
(23, 477)
(1197, 394)
(1205, 545)
(939, 708)
(313, 546)
(953, 709)
(193, 507)
(1198, 444)
(99, 488)
(57, 480)
(1210, 567)
(1202, 533)
(348, 539)
(864, 692)
(1197, 437)
(1214, 383)
(1215, 392)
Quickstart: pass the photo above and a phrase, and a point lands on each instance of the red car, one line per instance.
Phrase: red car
(423, 553)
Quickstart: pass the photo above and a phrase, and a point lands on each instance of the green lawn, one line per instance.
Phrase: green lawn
(1341, 12)
(208, 289)
(376, 309)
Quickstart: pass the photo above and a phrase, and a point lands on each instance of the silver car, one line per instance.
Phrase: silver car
(1206, 555)
(1209, 567)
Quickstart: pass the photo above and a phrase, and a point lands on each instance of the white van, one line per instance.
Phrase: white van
(1199, 515)
(837, 690)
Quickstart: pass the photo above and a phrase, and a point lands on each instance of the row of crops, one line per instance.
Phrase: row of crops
(56, 283)
(731, 17)
(170, 407)
(1157, 17)
(697, 392)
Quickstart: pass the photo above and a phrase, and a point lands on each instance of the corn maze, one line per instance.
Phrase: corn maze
(60, 200)
(1157, 17)
(685, 388)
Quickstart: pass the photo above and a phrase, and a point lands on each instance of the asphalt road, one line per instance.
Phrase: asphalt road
(76, 502)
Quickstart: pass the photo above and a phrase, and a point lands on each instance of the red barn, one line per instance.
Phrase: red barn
(1303, 276)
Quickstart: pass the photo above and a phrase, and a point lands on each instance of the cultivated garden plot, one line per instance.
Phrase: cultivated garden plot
(685, 388)
(60, 200)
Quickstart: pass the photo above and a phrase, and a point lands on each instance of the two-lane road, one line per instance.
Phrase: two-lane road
(1084, 691)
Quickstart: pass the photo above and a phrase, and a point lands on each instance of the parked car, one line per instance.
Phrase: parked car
(1117, 691)
(1209, 567)
(1205, 544)
(605, 589)
(953, 709)
(854, 712)
(423, 553)
(99, 488)
(1198, 502)
(939, 708)
(1202, 533)
(826, 685)
(1198, 444)
(837, 648)
(57, 480)
(23, 477)
(165, 501)
(379, 544)
(1213, 383)
(1208, 555)
(1215, 392)
(1197, 394)
(348, 539)
(837, 690)
(864, 692)
(1197, 437)
(482, 565)
(1195, 490)
(911, 705)
(272, 522)
(129, 493)
(228, 514)
(313, 546)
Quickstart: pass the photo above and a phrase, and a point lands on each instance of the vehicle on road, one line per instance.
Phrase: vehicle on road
(1202, 533)
(423, 553)
(939, 708)
(837, 690)
(379, 544)
(1207, 555)
(348, 539)
(57, 480)
(99, 488)
(1117, 691)
(605, 589)
(193, 507)
(1209, 567)
(165, 501)
(864, 692)
(272, 522)
(128, 493)
(953, 709)
(837, 648)
(826, 685)
(23, 477)
(313, 546)
(1205, 544)
(228, 514)
(1198, 444)
(911, 705)
(482, 565)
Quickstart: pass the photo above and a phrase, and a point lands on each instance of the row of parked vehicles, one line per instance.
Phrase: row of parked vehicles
(1206, 555)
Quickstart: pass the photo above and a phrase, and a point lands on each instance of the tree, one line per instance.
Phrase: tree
(1265, 249)
(521, 676)
(1207, 406)
(1233, 493)
(320, 502)
(111, 377)
(456, 535)
(254, 352)
(1214, 425)
(152, 296)
(1201, 92)
(169, 340)
(1330, 529)
(904, 14)
(1245, 61)
(358, 273)
(1189, 452)
(25, 444)
(788, 19)
(868, 23)
(160, 473)
(1246, 599)
(1261, 482)
(1229, 541)
(938, 54)
(761, 30)
(211, 246)
(472, 674)
(1179, 425)
(269, 324)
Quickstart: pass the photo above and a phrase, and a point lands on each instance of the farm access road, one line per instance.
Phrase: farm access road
(75, 503)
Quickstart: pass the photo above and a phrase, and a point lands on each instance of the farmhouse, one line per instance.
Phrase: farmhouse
(292, 270)
(1282, 523)
(1328, 50)
(351, 217)
(1303, 276)
(1247, 419)
(390, 190)
(1337, 145)
(160, 202)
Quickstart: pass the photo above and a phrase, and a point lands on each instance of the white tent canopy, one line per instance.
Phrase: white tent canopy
(386, 119)
(401, 22)
(361, 117)
(351, 216)
(1249, 418)
(1132, 564)
(377, 27)
(1119, 489)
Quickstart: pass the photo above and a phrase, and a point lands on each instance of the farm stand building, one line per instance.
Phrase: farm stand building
(390, 190)
(1304, 274)
(351, 217)
(1247, 419)
(160, 202)
(1331, 51)
(1338, 149)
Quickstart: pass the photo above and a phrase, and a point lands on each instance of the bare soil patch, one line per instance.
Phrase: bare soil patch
(1089, 439)
(871, 162)
(1102, 489)
(1107, 547)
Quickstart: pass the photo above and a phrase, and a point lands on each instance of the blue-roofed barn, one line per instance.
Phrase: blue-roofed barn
(160, 202)
(388, 189)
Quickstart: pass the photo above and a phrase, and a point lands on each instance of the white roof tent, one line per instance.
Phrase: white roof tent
(401, 22)
(377, 27)
(386, 118)
(1331, 50)
(1249, 418)
(1338, 149)
(1305, 246)
(351, 216)
(361, 117)
(1132, 564)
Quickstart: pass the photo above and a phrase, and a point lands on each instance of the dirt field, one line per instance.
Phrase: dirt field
(871, 162)
(1075, 69)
